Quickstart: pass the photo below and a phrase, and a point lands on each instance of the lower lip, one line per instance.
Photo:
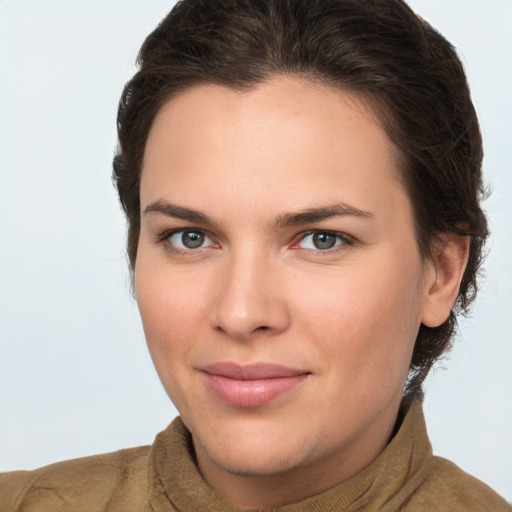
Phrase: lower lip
(251, 393)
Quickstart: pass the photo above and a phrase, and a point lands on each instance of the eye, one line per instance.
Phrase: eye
(189, 239)
(322, 240)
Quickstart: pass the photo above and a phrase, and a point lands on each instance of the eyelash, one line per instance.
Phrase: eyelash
(165, 237)
(343, 239)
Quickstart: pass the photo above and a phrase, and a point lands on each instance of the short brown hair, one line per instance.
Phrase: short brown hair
(379, 49)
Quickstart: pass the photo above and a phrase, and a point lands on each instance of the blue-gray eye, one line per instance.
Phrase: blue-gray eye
(321, 241)
(189, 239)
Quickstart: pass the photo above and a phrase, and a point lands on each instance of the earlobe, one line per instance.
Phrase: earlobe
(443, 278)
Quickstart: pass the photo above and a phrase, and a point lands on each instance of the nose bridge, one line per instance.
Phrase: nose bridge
(249, 298)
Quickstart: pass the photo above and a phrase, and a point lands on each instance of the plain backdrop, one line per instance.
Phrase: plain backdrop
(75, 375)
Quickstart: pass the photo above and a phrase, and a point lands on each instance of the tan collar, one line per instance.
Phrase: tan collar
(177, 485)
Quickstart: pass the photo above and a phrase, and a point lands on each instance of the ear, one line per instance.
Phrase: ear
(443, 277)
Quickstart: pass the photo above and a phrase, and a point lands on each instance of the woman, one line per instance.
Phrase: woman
(302, 183)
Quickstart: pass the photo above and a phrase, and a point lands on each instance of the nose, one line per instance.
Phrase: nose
(251, 298)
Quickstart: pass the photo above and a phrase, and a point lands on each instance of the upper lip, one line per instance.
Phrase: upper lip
(254, 371)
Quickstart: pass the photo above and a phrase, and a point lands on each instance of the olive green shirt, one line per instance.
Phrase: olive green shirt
(164, 478)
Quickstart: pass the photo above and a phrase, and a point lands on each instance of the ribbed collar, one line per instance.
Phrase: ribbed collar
(177, 485)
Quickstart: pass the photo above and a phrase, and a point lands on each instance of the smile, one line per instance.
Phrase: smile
(252, 385)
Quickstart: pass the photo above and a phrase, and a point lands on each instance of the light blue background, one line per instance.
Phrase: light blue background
(75, 375)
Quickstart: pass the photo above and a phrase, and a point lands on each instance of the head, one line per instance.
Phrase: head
(302, 182)
(381, 52)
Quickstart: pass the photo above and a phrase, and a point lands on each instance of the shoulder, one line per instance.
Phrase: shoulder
(449, 488)
(118, 479)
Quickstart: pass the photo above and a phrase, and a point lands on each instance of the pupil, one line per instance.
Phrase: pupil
(192, 239)
(324, 240)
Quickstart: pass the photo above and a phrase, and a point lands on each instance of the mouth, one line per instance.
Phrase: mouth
(251, 386)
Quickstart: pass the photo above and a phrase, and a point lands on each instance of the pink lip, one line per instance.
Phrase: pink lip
(252, 385)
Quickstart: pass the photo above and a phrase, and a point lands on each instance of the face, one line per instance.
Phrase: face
(278, 277)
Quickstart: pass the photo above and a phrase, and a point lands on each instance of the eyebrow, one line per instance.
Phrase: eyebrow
(318, 214)
(179, 212)
(307, 216)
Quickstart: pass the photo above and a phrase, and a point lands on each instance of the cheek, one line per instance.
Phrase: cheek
(168, 297)
(171, 308)
(364, 320)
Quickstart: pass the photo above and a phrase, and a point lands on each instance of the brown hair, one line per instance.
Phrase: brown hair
(377, 48)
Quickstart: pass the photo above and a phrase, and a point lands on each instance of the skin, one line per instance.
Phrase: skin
(259, 290)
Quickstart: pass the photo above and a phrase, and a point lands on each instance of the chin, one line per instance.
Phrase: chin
(260, 464)
(254, 455)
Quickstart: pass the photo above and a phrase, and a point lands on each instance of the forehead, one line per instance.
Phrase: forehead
(287, 138)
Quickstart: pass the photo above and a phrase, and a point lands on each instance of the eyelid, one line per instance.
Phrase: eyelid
(165, 236)
(346, 240)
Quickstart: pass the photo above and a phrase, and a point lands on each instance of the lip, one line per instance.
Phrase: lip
(250, 386)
